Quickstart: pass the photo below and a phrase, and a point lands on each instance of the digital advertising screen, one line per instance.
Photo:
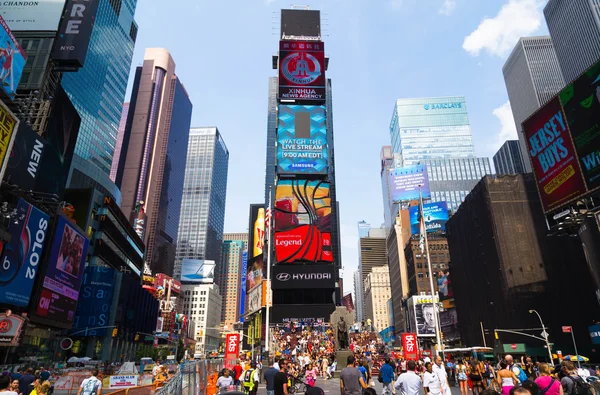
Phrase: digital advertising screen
(406, 182)
(302, 140)
(435, 214)
(243, 282)
(24, 161)
(255, 272)
(198, 271)
(581, 105)
(302, 221)
(95, 301)
(38, 15)
(552, 154)
(64, 272)
(302, 70)
(12, 60)
(303, 276)
(21, 257)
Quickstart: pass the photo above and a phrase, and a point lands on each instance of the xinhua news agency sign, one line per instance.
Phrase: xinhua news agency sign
(303, 276)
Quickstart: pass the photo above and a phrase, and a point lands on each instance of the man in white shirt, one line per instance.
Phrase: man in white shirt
(431, 381)
(409, 383)
(439, 369)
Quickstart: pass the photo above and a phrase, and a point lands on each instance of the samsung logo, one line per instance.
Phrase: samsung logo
(442, 106)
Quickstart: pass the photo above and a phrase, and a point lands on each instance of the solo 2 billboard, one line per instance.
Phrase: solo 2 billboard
(404, 183)
(552, 154)
(581, 105)
(64, 273)
(303, 221)
(302, 70)
(302, 140)
(243, 285)
(95, 301)
(12, 60)
(21, 257)
(436, 216)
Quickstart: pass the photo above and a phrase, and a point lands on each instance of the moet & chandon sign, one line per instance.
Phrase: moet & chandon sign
(303, 276)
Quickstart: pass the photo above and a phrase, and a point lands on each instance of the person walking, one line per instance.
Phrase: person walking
(269, 377)
(351, 381)
(25, 382)
(571, 380)
(431, 381)
(386, 375)
(440, 370)
(506, 378)
(409, 383)
(251, 379)
(280, 380)
(237, 372)
(91, 385)
(225, 381)
(461, 375)
(548, 384)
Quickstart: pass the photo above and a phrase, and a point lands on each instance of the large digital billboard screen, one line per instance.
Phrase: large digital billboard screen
(406, 182)
(255, 272)
(38, 15)
(302, 221)
(436, 216)
(303, 276)
(12, 60)
(581, 105)
(302, 70)
(197, 271)
(24, 162)
(66, 264)
(21, 257)
(302, 140)
(95, 301)
(552, 154)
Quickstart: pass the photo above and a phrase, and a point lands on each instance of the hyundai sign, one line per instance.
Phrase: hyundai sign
(303, 276)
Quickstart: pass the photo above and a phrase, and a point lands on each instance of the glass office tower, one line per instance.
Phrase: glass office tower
(97, 90)
(202, 217)
(431, 128)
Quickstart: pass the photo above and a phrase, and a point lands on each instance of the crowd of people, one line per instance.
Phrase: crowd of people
(26, 381)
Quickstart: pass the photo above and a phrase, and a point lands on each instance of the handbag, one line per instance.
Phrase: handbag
(542, 392)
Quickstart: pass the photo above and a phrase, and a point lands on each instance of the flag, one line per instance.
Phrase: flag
(422, 230)
(268, 218)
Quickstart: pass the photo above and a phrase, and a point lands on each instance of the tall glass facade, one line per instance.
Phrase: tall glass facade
(431, 128)
(271, 161)
(97, 90)
(202, 218)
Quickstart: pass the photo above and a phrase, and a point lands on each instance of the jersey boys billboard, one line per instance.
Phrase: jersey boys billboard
(302, 222)
(302, 140)
(302, 70)
(552, 154)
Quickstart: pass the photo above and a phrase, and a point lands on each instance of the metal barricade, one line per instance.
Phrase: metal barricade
(191, 378)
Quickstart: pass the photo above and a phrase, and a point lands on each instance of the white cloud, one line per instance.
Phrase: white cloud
(448, 7)
(396, 3)
(499, 35)
(508, 130)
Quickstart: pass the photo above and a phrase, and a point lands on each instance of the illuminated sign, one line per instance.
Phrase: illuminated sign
(301, 70)
(442, 106)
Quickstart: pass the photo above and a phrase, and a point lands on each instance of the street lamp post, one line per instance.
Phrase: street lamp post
(545, 335)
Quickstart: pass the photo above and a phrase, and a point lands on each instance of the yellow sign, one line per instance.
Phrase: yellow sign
(8, 128)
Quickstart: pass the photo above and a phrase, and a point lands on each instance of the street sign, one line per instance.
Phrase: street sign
(513, 346)
(567, 329)
(559, 353)
(544, 334)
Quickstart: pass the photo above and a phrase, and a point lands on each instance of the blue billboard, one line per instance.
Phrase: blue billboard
(436, 216)
(302, 140)
(406, 182)
(95, 302)
(243, 285)
(21, 257)
(12, 60)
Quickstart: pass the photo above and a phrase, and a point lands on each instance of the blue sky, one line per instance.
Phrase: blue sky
(379, 50)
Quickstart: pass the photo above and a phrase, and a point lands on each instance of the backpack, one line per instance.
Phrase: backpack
(582, 387)
(521, 376)
(91, 387)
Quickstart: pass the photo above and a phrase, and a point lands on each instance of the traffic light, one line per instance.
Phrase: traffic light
(137, 337)
(496, 335)
(115, 332)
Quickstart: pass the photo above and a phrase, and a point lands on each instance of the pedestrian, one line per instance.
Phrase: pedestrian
(476, 376)
(25, 382)
(548, 384)
(14, 386)
(280, 380)
(386, 375)
(351, 381)
(269, 377)
(461, 375)
(237, 372)
(440, 370)
(506, 378)
(225, 381)
(571, 380)
(91, 385)
(363, 368)
(5, 386)
(251, 378)
(409, 383)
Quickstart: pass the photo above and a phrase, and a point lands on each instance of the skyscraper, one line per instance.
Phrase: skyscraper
(575, 29)
(202, 219)
(373, 253)
(532, 76)
(114, 168)
(152, 163)
(228, 277)
(377, 294)
(431, 128)
(359, 297)
(97, 91)
(508, 159)
(363, 229)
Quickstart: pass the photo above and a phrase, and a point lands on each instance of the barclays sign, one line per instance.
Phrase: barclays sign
(441, 106)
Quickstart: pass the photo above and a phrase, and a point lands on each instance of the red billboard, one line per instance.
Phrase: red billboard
(302, 70)
(410, 346)
(232, 349)
(162, 280)
(552, 155)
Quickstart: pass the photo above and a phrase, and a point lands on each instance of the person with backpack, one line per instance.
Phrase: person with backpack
(548, 384)
(573, 384)
(251, 379)
(91, 385)
(506, 378)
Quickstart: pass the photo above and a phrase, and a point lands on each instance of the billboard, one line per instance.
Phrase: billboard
(258, 239)
(74, 33)
(25, 157)
(12, 60)
(21, 257)
(303, 276)
(581, 105)
(421, 312)
(436, 216)
(404, 183)
(232, 343)
(552, 155)
(39, 15)
(302, 313)
(302, 221)
(162, 280)
(64, 272)
(8, 129)
(255, 272)
(302, 140)
(244, 271)
(198, 271)
(449, 324)
(410, 346)
(302, 70)
(255, 299)
(10, 329)
(95, 301)
(348, 302)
